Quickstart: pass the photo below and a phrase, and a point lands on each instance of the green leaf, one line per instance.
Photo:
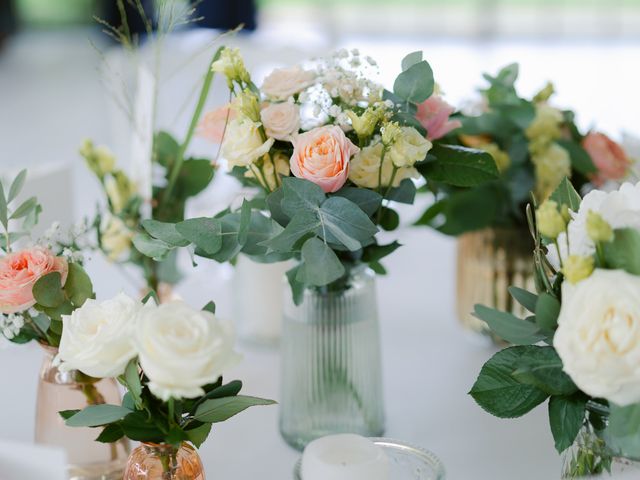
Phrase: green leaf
(374, 253)
(132, 378)
(547, 311)
(42, 322)
(16, 186)
(165, 231)
(389, 219)
(137, 426)
(297, 288)
(204, 232)
(565, 194)
(165, 149)
(96, 415)
(198, 435)
(526, 299)
(303, 223)
(220, 409)
(229, 227)
(623, 251)
(509, 327)
(403, 193)
(111, 433)
(342, 221)
(580, 159)
(245, 221)
(66, 414)
(368, 200)
(25, 208)
(195, 175)
(151, 247)
(274, 203)
(210, 307)
(299, 195)
(48, 290)
(320, 265)
(415, 84)
(497, 392)
(459, 166)
(542, 368)
(411, 59)
(78, 286)
(566, 417)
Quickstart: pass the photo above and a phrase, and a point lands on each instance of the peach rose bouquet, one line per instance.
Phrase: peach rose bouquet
(330, 153)
(39, 281)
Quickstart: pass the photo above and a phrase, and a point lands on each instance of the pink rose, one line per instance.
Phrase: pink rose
(433, 114)
(608, 157)
(213, 123)
(322, 156)
(19, 271)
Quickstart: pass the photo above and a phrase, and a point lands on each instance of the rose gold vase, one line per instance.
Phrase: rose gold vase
(58, 391)
(489, 262)
(152, 461)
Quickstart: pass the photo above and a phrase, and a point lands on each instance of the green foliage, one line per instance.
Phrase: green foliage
(459, 166)
(547, 311)
(566, 194)
(525, 298)
(510, 327)
(624, 251)
(218, 410)
(541, 367)
(415, 83)
(499, 393)
(320, 265)
(97, 415)
(566, 417)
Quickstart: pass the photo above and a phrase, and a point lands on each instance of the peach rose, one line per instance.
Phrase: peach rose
(213, 123)
(433, 114)
(19, 271)
(322, 156)
(608, 157)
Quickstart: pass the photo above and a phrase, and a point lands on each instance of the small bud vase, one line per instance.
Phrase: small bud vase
(489, 262)
(59, 391)
(331, 362)
(152, 461)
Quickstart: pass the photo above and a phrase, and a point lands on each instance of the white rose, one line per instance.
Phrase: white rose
(182, 349)
(598, 336)
(243, 143)
(365, 169)
(281, 120)
(619, 209)
(96, 338)
(283, 83)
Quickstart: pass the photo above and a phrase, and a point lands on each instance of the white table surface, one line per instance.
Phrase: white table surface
(429, 362)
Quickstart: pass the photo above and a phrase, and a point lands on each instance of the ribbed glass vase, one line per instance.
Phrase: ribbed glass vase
(59, 391)
(489, 262)
(152, 461)
(331, 363)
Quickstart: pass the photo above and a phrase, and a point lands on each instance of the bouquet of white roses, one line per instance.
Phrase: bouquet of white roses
(330, 151)
(580, 348)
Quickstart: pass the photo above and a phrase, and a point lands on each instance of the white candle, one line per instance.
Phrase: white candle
(344, 457)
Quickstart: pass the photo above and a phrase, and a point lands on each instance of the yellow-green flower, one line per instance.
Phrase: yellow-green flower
(544, 129)
(246, 104)
(597, 228)
(100, 160)
(365, 124)
(409, 147)
(577, 267)
(549, 219)
(232, 66)
(390, 133)
(551, 166)
(544, 94)
(119, 190)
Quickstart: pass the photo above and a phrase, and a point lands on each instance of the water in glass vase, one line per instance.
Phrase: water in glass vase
(331, 363)
(58, 391)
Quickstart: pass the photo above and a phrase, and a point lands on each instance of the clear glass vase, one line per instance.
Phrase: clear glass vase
(152, 461)
(58, 391)
(489, 262)
(591, 455)
(260, 320)
(331, 363)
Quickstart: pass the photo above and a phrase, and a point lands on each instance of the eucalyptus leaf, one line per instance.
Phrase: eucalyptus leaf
(25, 208)
(342, 221)
(411, 59)
(320, 265)
(47, 291)
(78, 286)
(416, 83)
(368, 200)
(16, 185)
(525, 298)
(165, 231)
(151, 247)
(96, 415)
(301, 224)
(220, 409)
(300, 195)
(132, 378)
(204, 232)
(509, 327)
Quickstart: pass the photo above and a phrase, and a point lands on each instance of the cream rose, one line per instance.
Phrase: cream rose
(182, 349)
(598, 336)
(116, 238)
(283, 83)
(272, 169)
(410, 147)
(243, 143)
(97, 337)
(322, 156)
(281, 120)
(365, 169)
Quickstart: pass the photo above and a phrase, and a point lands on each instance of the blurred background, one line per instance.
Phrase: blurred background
(63, 79)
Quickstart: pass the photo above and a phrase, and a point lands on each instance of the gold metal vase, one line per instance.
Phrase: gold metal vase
(489, 262)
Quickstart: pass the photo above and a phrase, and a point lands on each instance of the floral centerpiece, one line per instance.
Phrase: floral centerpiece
(578, 346)
(535, 145)
(40, 283)
(331, 153)
(170, 358)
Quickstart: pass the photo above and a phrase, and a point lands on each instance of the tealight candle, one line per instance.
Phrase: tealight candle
(344, 457)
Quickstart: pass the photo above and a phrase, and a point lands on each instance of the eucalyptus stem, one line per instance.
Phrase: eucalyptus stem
(177, 165)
